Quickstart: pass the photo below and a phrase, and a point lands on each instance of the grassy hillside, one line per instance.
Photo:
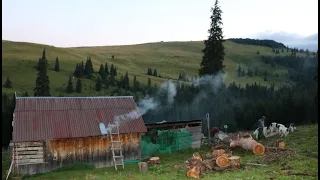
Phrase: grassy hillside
(169, 58)
(301, 165)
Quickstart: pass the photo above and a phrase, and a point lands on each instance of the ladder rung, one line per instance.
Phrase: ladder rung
(116, 148)
(119, 164)
(114, 133)
(116, 141)
(118, 156)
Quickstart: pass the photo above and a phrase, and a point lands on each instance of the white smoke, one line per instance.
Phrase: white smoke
(171, 88)
(146, 105)
(214, 81)
(149, 103)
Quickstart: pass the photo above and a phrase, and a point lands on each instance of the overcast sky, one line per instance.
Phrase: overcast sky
(66, 23)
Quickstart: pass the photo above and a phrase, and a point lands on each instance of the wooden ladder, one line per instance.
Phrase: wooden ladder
(117, 147)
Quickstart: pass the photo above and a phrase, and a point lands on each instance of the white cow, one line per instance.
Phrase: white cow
(292, 127)
(283, 131)
(266, 131)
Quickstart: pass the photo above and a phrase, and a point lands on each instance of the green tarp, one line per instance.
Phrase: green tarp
(165, 142)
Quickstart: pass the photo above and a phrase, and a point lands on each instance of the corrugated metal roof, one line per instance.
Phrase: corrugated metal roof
(46, 118)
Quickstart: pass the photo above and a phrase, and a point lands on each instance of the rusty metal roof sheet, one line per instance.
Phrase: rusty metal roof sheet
(46, 118)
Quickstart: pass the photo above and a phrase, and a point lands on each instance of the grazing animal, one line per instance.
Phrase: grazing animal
(273, 127)
(292, 127)
(283, 131)
(266, 131)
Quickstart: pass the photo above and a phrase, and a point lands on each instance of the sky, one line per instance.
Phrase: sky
(70, 23)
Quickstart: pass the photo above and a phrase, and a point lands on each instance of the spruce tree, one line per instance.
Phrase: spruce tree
(213, 53)
(78, 71)
(98, 84)
(115, 71)
(8, 83)
(81, 67)
(42, 82)
(102, 73)
(112, 70)
(88, 69)
(239, 71)
(79, 86)
(121, 82)
(57, 65)
(106, 69)
(126, 81)
(134, 88)
(265, 76)
(112, 79)
(243, 73)
(69, 88)
(155, 73)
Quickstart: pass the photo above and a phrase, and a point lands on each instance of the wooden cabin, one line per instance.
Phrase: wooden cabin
(50, 132)
(192, 126)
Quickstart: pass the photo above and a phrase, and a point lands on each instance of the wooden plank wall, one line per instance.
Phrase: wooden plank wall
(27, 154)
(93, 150)
(196, 134)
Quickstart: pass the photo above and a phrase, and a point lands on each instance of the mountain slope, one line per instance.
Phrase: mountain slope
(169, 58)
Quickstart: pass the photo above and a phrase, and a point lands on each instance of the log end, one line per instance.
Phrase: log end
(222, 161)
(259, 149)
(194, 173)
(282, 144)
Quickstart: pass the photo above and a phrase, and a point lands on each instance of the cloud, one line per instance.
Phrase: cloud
(292, 40)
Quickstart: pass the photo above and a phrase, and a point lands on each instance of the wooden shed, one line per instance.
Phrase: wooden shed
(50, 132)
(192, 126)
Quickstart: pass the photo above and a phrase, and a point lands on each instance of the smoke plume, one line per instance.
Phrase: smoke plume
(170, 89)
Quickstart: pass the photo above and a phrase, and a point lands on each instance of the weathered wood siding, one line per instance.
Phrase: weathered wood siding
(196, 134)
(93, 150)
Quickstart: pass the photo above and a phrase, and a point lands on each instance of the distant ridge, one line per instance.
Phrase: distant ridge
(258, 42)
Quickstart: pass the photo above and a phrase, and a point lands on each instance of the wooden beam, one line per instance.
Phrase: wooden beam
(29, 149)
(27, 161)
(29, 144)
(40, 156)
(31, 153)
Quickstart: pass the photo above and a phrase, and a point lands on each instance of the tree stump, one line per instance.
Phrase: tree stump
(154, 160)
(234, 162)
(143, 167)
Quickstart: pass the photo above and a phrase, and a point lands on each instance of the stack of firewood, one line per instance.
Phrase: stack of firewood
(219, 158)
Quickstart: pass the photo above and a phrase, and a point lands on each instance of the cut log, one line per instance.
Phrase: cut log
(154, 160)
(234, 162)
(194, 172)
(143, 167)
(282, 144)
(222, 161)
(248, 144)
(217, 153)
(225, 147)
(197, 155)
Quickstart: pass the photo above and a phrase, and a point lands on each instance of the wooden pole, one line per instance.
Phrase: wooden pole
(208, 124)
